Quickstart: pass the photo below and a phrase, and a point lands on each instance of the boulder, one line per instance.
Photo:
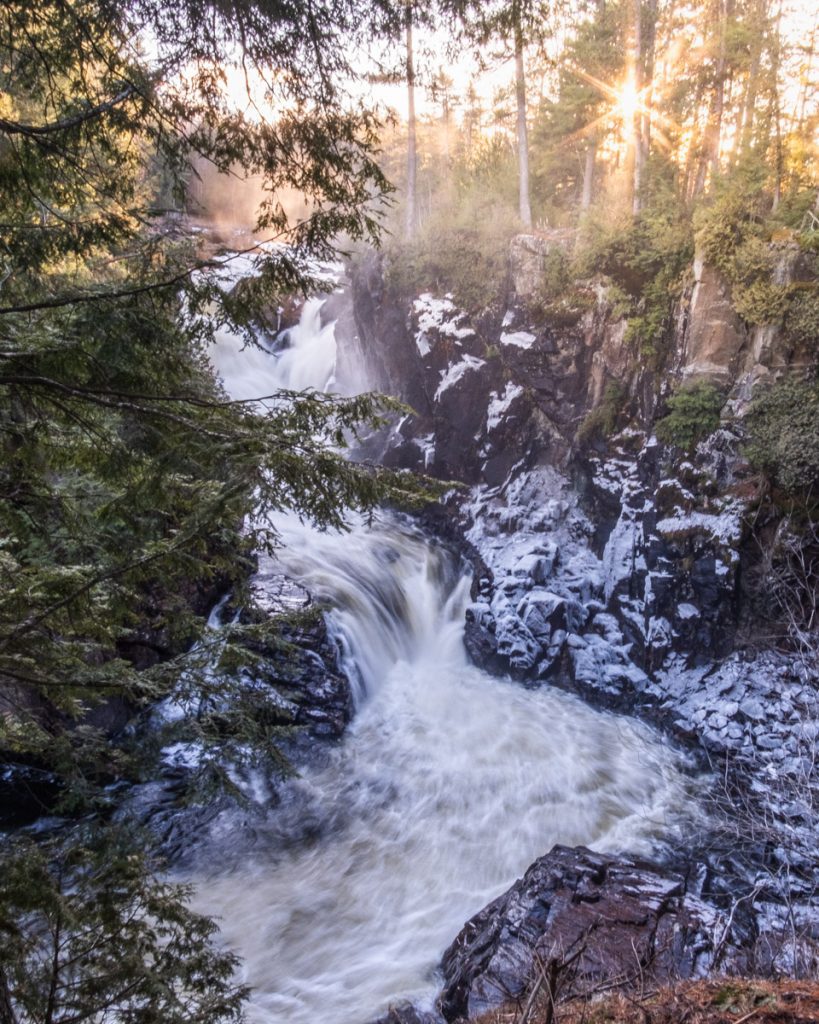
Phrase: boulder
(584, 921)
(405, 1013)
(528, 258)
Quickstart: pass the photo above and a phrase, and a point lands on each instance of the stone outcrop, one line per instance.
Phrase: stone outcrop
(713, 342)
(528, 255)
(305, 696)
(581, 922)
(715, 336)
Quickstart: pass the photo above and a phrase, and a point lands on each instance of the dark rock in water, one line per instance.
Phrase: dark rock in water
(586, 920)
(26, 793)
(479, 638)
(405, 1013)
(302, 666)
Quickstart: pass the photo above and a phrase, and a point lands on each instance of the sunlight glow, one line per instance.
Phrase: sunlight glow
(627, 101)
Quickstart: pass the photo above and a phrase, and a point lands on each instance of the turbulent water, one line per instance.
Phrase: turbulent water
(305, 357)
(447, 785)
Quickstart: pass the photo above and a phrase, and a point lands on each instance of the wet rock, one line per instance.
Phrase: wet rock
(595, 920)
(26, 793)
(405, 1013)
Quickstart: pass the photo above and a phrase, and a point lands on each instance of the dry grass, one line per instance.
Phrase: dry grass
(726, 1001)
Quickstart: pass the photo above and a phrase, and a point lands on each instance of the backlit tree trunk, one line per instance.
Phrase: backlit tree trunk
(412, 159)
(634, 127)
(523, 133)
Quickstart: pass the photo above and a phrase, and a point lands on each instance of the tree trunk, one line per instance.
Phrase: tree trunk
(412, 161)
(719, 92)
(523, 132)
(758, 25)
(776, 103)
(806, 82)
(588, 174)
(712, 136)
(647, 94)
(636, 141)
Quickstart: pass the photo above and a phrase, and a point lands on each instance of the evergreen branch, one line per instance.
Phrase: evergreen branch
(67, 123)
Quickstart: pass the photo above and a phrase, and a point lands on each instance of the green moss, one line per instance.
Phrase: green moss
(761, 302)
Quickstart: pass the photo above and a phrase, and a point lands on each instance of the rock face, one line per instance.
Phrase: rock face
(583, 921)
(715, 335)
(528, 254)
(713, 342)
(306, 696)
(486, 395)
(405, 1013)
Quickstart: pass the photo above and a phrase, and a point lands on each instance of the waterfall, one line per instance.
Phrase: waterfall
(304, 357)
(447, 785)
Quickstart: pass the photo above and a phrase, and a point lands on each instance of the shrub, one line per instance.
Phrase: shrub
(620, 302)
(469, 262)
(735, 217)
(783, 433)
(761, 302)
(604, 419)
(694, 414)
(802, 319)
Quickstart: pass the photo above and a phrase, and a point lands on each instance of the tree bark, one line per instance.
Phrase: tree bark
(806, 82)
(636, 141)
(523, 132)
(412, 159)
(752, 87)
(647, 93)
(709, 157)
(779, 156)
(588, 174)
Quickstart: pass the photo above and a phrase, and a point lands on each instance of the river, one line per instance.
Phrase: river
(448, 783)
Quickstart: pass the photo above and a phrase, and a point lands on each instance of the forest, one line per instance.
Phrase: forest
(540, 197)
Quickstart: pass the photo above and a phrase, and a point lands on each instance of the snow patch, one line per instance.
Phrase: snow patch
(499, 405)
(440, 315)
(456, 371)
(520, 339)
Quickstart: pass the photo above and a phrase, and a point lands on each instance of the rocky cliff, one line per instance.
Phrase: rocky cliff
(619, 568)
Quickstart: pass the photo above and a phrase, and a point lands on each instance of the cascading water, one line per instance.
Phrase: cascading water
(447, 785)
(304, 358)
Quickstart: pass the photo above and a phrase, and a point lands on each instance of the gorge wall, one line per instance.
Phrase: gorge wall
(617, 567)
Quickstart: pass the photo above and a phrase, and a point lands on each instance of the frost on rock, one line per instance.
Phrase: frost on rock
(621, 552)
(724, 527)
(499, 405)
(456, 371)
(634, 629)
(518, 339)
